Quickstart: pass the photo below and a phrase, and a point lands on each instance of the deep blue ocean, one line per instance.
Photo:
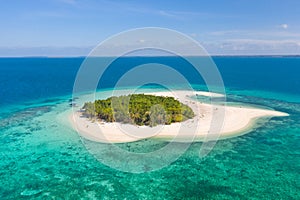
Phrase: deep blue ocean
(27, 79)
(42, 158)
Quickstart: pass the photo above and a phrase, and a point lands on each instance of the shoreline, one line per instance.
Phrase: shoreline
(214, 121)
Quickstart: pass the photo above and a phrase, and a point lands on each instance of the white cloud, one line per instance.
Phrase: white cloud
(166, 14)
(254, 47)
(284, 26)
(253, 34)
(228, 32)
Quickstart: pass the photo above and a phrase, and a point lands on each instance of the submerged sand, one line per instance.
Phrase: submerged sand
(211, 122)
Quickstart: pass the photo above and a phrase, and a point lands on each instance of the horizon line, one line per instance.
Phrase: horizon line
(212, 55)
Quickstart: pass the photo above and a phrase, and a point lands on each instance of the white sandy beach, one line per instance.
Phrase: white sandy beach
(211, 122)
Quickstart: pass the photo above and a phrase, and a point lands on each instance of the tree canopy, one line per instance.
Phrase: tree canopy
(139, 109)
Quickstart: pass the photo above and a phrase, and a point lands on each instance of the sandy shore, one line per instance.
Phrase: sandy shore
(211, 122)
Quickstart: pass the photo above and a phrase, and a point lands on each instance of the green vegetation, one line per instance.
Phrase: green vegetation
(139, 109)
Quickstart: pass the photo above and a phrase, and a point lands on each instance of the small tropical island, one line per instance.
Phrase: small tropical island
(171, 116)
(139, 109)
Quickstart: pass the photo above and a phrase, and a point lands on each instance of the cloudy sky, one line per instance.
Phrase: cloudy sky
(74, 27)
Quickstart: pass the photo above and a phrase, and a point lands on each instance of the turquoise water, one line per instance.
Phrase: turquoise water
(43, 158)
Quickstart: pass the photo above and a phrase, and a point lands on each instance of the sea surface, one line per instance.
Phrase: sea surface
(42, 157)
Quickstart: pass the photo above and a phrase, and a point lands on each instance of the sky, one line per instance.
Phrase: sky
(222, 27)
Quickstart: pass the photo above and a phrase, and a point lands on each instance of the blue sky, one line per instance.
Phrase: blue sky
(74, 27)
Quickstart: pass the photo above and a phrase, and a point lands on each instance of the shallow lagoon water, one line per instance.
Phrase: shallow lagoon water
(43, 158)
